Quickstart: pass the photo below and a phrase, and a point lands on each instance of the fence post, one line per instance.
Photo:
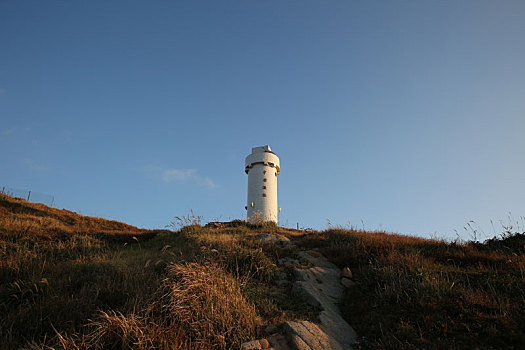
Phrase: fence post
(53, 201)
(28, 195)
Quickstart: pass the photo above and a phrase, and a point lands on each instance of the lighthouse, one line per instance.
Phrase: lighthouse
(262, 167)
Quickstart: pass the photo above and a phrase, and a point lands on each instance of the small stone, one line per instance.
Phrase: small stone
(265, 344)
(346, 272)
(251, 345)
(347, 282)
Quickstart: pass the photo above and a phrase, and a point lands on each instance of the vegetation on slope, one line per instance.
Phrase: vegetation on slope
(415, 293)
(73, 287)
(73, 282)
(20, 217)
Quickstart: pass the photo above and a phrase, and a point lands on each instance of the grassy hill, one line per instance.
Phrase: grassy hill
(73, 282)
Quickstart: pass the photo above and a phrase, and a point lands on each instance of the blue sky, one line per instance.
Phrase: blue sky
(403, 115)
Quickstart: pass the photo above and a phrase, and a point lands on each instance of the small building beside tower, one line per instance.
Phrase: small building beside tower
(262, 167)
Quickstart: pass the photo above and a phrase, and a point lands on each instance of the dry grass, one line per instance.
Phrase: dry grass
(197, 307)
(20, 217)
(208, 304)
(70, 282)
(416, 293)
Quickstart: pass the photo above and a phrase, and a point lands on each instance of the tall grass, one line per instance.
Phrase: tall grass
(73, 282)
(418, 293)
(77, 285)
(209, 305)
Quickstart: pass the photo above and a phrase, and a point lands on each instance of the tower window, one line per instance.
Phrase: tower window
(264, 180)
(264, 187)
(264, 172)
(264, 194)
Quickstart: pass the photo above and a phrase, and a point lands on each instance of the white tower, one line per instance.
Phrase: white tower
(262, 167)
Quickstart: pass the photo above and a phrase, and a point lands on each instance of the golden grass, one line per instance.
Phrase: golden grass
(73, 282)
(18, 216)
(79, 283)
(208, 304)
(418, 293)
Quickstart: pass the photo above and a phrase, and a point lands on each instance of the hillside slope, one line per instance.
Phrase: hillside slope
(74, 282)
(20, 216)
(415, 293)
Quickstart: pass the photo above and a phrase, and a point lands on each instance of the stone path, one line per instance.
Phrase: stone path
(320, 285)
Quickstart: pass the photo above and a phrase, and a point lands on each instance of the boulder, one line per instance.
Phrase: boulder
(306, 335)
(299, 343)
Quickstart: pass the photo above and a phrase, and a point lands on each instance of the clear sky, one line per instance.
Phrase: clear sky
(404, 115)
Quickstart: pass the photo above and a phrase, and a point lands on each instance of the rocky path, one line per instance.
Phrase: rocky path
(321, 286)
